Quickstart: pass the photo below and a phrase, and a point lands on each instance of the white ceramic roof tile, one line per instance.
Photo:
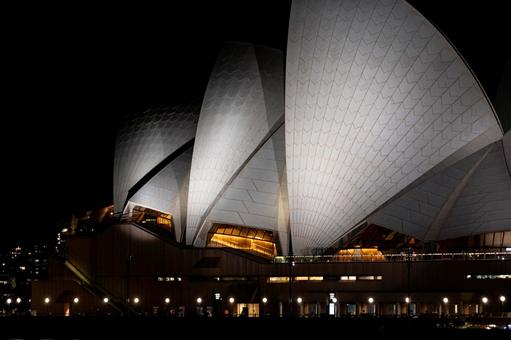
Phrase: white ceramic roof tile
(147, 139)
(242, 104)
(375, 97)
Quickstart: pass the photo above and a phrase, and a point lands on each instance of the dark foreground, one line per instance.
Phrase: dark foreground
(166, 328)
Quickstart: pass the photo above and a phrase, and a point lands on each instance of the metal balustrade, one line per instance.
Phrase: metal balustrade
(398, 257)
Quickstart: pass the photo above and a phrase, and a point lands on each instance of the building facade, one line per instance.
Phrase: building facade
(365, 162)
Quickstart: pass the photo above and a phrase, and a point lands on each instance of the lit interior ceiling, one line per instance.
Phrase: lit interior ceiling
(256, 241)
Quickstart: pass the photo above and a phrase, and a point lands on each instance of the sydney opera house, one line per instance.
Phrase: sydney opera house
(363, 170)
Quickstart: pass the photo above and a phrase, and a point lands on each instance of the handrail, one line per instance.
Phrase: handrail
(94, 287)
(396, 257)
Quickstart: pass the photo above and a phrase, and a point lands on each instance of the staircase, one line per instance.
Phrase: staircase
(94, 288)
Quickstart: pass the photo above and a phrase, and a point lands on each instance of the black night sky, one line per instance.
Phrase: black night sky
(123, 60)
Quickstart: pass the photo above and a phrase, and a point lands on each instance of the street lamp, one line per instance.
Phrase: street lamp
(265, 299)
(105, 300)
(18, 300)
(373, 307)
(445, 301)
(407, 299)
(231, 300)
(484, 300)
(299, 300)
(9, 301)
(46, 300)
(167, 300)
(199, 300)
(76, 300)
(136, 300)
(502, 298)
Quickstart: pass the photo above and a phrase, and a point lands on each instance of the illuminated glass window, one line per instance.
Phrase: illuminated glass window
(167, 279)
(366, 278)
(256, 241)
(489, 276)
(278, 279)
(348, 278)
(154, 218)
(234, 278)
(316, 278)
(250, 310)
(308, 278)
(301, 278)
(359, 254)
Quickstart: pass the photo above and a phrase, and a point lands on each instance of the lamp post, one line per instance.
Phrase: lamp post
(409, 263)
(445, 300)
(371, 304)
(502, 299)
(264, 300)
(484, 300)
(291, 265)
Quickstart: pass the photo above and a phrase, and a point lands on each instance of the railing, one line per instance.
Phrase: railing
(404, 256)
(98, 290)
(398, 257)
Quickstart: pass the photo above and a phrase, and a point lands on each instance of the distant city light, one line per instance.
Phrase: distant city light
(231, 300)
(105, 300)
(299, 300)
(371, 300)
(265, 300)
(167, 300)
(445, 300)
(199, 300)
(76, 300)
(484, 299)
